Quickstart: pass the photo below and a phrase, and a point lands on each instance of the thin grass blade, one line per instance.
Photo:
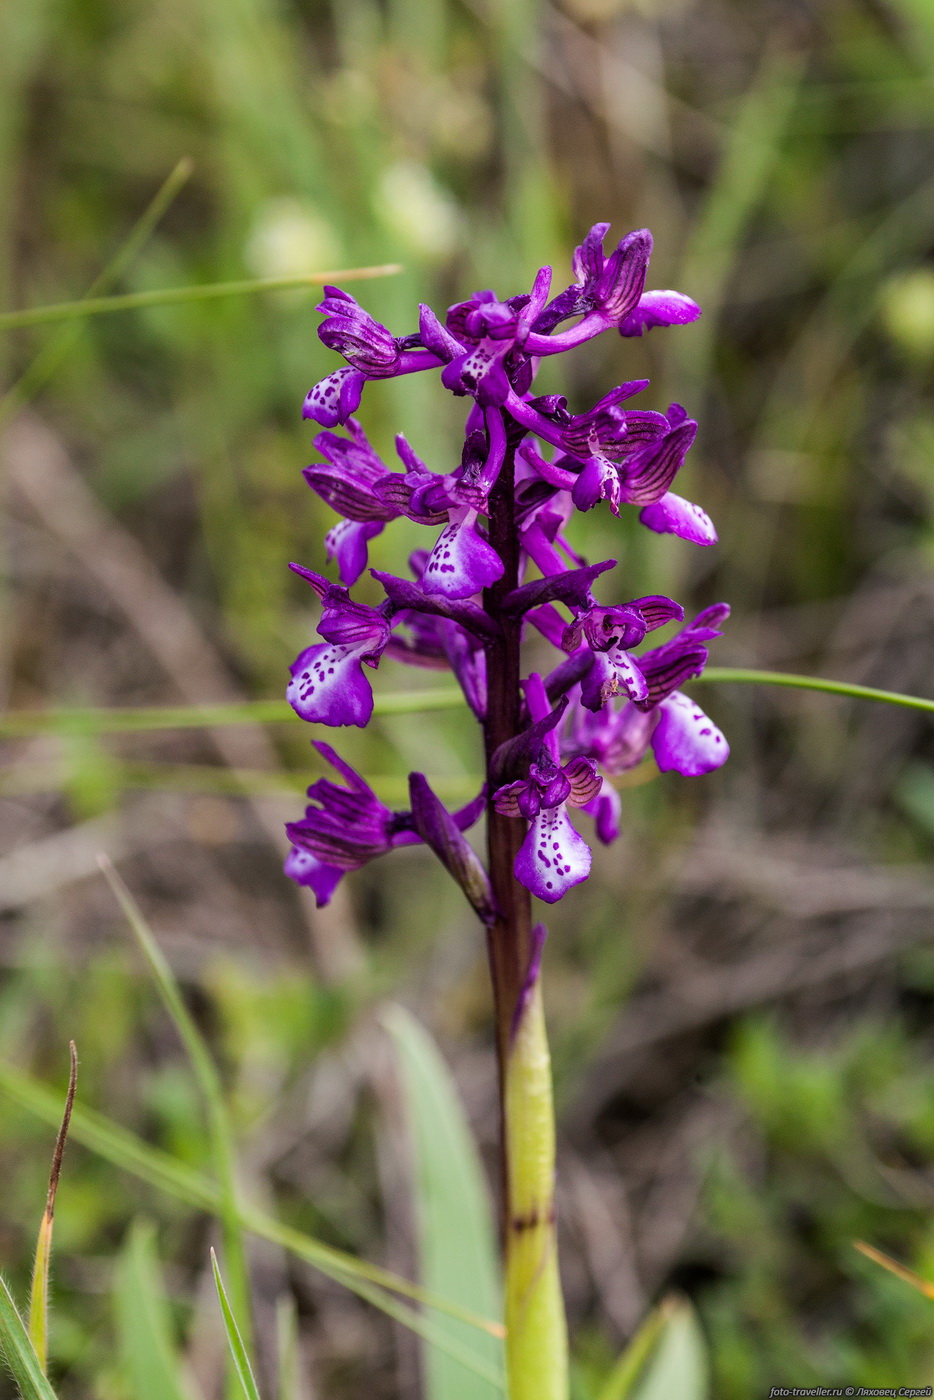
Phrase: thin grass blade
(177, 296)
(144, 1324)
(209, 1084)
(922, 1285)
(234, 1340)
(19, 1353)
(457, 1251)
(163, 1172)
(39, 1297)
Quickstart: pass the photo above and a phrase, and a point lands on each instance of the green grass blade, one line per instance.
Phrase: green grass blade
(234, 1340)
(457, 1250)
(41, 369)
(177, 296)
(39, 1295)
(24, 723)
(158, 1169)
(144, 1324)
(208, 1081)
(735, 675)
(678, 1366)
(621, 1382)
(19, 1353)
(287, 1350)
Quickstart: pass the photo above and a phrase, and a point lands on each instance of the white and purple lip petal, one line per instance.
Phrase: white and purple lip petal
(328, 686)
(613, 672)
(553, 857)
(685, 740)
(673, 515)
(306, 869)
(461, 563)
(659, 309)
(336, 398)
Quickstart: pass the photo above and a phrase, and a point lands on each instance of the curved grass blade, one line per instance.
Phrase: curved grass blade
(208, 1080)
(158, 1169)
(234, 1340)
(457, 1250)
(144, 1326)
(176, 296)
(19, 1353)
(39, 1296)
(740, 676)
(25, 723)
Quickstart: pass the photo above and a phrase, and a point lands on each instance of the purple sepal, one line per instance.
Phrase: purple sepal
(353, 333)
(648, 474)
(513, 756)
(336, 398)
(533, 971)
(439, 830)
(612, 284)
(673, 515)
(659, 309)
(462, 563)
(349, 828)
(405, 594)
(667, 667)
(347, 543)
(571, 587)
(606, 809)
(685, 740)
(437, 338)
(347, 476)
(306, 869)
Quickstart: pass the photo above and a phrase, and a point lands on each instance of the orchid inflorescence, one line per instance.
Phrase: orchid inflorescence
(527, 465)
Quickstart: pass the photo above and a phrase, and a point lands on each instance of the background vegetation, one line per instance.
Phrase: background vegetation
(740, 1000)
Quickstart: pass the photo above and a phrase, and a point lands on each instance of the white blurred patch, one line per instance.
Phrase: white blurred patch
(412, 204)
(289, 239)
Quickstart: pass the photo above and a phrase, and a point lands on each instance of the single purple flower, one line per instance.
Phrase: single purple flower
(553, 857)
(346, 481)
(328, 685)
(491, 331)
(365, 344)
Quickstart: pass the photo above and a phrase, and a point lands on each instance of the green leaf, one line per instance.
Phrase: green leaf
(19, 1353)
(457, 1251)
(144, 1323)
(621, 1381)
(234, 1340)
(678, 1365)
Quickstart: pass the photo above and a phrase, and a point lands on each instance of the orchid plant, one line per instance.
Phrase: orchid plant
(501, 569)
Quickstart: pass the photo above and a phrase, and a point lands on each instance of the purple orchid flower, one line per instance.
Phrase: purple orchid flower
(346, 480)
(350, 827)
(553, 857)
(490, 331)
(328, 685)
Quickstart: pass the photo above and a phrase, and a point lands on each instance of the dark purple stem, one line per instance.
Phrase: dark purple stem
(509, 939)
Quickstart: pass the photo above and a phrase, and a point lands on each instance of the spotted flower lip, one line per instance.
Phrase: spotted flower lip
(553, 856)
(328, 685)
